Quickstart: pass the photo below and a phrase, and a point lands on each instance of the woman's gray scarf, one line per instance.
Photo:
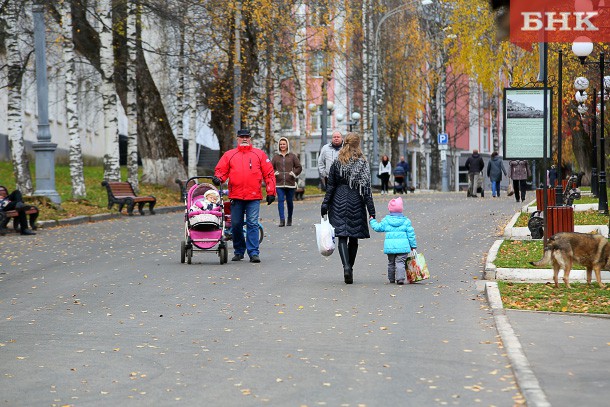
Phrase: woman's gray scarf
(358, 175)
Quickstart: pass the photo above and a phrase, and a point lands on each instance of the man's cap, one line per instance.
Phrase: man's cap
(243, 133)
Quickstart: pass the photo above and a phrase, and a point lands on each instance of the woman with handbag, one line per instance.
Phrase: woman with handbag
(519, 173)
(348, 197)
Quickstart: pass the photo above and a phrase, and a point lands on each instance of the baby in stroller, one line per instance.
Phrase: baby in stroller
(204, 222)
(205, 212)
(210, 202)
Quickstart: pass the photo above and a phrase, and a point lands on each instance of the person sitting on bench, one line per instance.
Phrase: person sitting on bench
(14, 201)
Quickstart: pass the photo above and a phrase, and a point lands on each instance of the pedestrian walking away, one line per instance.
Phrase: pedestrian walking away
(287, 168)
(519, 173)
(347, 199)
(246, 167)
(401, 175)
(495, 169)
(399, 240)
(474, 165)
(328, 155)
(385, 169)
(14, 201)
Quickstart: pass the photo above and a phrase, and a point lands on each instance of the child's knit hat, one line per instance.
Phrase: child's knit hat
(395, 205)
(211, 195)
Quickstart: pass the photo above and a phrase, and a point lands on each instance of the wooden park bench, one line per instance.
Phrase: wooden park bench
(122, 193)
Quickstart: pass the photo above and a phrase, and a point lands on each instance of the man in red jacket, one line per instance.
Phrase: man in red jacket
(245, 167)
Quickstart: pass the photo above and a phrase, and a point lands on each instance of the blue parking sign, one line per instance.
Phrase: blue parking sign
(443, 138)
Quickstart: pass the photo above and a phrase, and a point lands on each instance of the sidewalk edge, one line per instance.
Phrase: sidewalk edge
(526, 379)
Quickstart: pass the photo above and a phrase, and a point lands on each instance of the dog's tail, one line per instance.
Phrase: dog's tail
(545, 260)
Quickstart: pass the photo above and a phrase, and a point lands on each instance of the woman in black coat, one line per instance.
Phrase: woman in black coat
(348, 197)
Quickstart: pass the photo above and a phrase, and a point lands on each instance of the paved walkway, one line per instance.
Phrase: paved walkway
(103, 313)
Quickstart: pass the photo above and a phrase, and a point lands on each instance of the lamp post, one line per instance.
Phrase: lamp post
(324, 113)
(583, 47)
(355, 119)
(43, 148)
(375, 128)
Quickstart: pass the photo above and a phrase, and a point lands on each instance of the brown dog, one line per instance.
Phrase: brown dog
(566, 248)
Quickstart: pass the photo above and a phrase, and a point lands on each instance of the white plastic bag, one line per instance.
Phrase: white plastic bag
(325, 236)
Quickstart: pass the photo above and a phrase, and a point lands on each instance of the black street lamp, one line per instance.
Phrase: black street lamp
(582, 49)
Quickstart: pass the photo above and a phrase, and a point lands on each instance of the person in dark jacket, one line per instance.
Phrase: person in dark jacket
(287, 167)
(246, 167)
(348, 197)
(519, 173)
(399, 179)
(405, 166)
(495, 169)
(14, 201)
(475, 166)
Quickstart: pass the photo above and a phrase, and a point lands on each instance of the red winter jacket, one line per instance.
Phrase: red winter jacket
(246, 167)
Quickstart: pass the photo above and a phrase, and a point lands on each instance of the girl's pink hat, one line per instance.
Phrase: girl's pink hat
(395, 205)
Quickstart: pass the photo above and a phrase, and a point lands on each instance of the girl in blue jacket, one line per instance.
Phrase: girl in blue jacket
(399, 240)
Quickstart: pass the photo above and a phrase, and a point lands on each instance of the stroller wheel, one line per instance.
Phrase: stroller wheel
(189, 255)
(182, 251)
(223, 254)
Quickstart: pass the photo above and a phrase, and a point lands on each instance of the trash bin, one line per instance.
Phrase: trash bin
(559, 219)
(550, 193)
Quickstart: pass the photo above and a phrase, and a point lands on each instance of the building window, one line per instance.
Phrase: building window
(314, 120)
(286, 118)
(316, 64)
(313, 159)
(485, 139)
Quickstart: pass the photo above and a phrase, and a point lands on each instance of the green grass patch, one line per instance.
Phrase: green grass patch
(580, 298)
(96, 200)
(587, 199)
(518, 253)
(589, 217)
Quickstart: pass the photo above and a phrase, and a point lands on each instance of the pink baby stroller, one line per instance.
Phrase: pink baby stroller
(204, 221)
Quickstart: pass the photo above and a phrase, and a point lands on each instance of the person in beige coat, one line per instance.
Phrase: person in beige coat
(287, 167)
(519, 173)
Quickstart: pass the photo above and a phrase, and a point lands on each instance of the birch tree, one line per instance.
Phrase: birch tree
(112, 169)
(132, 109)
(181, 106)
(76, 156)
(16, 68)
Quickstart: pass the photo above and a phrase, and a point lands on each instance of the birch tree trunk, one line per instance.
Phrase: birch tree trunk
(23, 178)
(76, 156)
(181, 107)
(132, 109)
(299, 69)
(112, 169)
(367, 24)
(192, 105)
(192, 158)
(277, 109)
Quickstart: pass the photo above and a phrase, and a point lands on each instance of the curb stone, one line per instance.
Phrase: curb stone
(78, 220)
(527, 381)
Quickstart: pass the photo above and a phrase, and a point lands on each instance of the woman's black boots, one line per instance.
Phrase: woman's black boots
(345, 259)
(353, 250)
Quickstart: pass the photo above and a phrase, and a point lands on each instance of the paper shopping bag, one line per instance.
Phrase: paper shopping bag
(417, 269)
